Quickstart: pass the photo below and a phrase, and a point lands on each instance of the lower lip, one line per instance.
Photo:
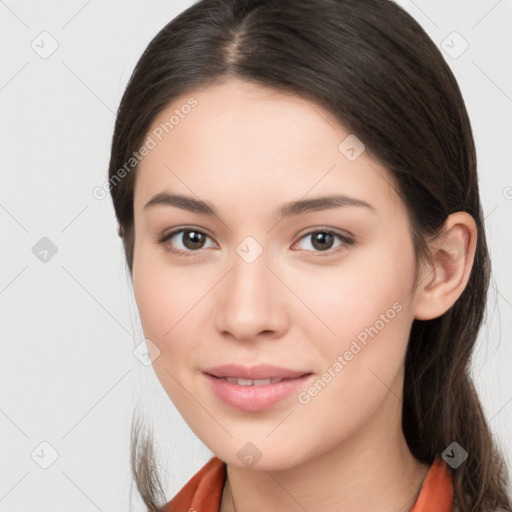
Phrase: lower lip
(255, 398)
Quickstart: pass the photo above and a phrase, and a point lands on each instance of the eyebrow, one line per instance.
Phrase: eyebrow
(286, 210)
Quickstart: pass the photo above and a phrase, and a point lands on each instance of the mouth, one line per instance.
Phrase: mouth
(256, 373)
(257, 393)
(253, 382)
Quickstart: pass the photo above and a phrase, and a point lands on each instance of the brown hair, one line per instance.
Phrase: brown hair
(373, 66)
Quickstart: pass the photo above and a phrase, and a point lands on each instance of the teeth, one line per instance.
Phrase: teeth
(250, 382)
(261, 382)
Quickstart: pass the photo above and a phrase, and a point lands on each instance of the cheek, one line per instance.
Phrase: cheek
(165, 301)
(366, 311)
(363, 370)
(159, 294)
(169, 300)
(364, 291)
(149, 290)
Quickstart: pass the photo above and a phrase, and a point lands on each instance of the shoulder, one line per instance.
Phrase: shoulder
(203, 491)
(437, 490)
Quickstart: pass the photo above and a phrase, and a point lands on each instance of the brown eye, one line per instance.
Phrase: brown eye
(184, 241)
(323, 241)
(192, 239)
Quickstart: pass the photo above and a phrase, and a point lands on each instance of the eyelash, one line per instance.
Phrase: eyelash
(347, 241)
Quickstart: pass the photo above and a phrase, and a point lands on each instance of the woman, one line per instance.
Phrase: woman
(295, 185)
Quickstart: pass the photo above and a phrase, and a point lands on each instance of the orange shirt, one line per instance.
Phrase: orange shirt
(203, 492)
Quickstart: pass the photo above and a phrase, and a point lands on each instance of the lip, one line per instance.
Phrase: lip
(261, 371)
(254, 398)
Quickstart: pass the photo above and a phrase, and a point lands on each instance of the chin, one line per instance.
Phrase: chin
(258, 455)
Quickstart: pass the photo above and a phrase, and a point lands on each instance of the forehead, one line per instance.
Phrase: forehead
(238, 140)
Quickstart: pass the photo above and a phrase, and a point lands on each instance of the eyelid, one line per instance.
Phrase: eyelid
(162, 239)
(347, 238)
(344, 234)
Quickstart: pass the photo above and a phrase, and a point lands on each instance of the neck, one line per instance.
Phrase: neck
(371, 470)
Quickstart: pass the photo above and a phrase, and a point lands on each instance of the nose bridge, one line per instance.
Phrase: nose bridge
(249, 301)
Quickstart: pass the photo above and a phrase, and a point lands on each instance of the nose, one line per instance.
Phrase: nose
(251, 301)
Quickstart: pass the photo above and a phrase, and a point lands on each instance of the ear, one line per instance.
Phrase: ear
(452, 256)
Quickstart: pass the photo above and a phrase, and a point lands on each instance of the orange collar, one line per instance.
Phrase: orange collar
(203, 492)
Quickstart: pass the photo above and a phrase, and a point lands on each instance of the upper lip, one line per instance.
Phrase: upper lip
(262, 371)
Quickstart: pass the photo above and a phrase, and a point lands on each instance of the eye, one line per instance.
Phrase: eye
(322, 241)
(191, 240)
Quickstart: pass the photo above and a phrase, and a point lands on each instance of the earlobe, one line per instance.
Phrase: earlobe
(452, 256)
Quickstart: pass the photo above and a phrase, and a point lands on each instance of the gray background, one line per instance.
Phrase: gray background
(69, 377)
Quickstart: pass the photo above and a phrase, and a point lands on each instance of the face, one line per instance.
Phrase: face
(322, 289)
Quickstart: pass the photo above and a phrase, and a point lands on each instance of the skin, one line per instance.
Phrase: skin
(247, 150)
